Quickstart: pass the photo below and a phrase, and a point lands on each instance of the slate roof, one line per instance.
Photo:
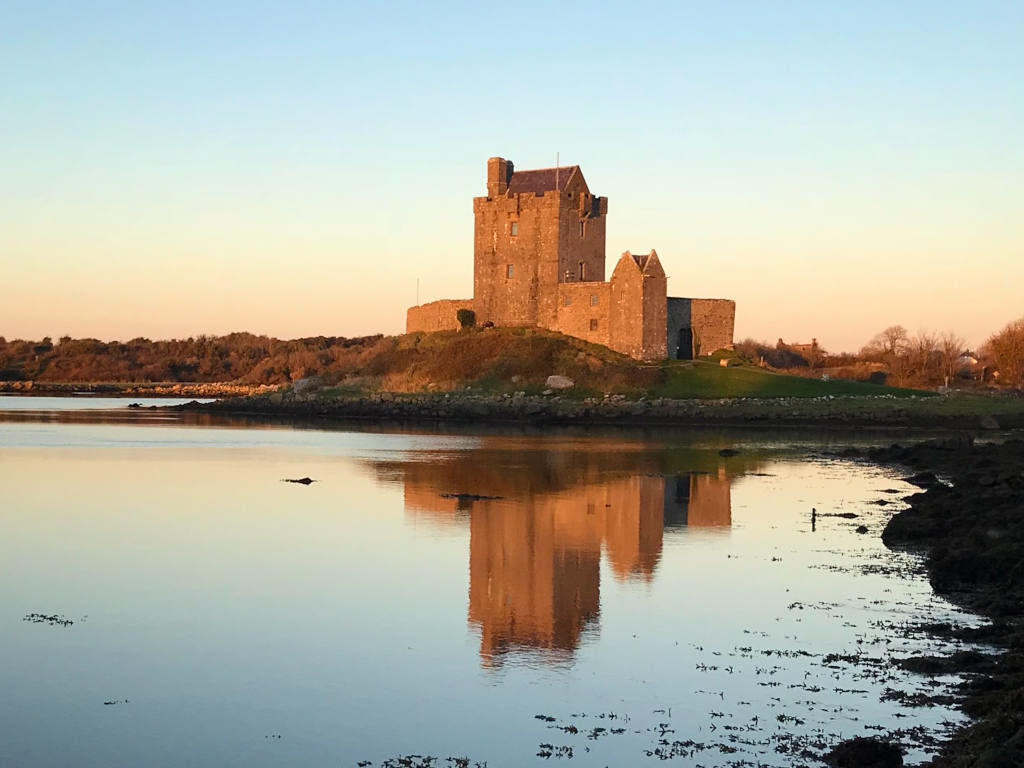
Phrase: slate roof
(646, 262)
(641, 260)
(540, 181)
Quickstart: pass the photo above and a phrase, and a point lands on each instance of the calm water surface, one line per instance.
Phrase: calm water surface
(434, 594)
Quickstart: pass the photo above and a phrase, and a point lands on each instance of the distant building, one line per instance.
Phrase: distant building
(539, 259)
(807, 351)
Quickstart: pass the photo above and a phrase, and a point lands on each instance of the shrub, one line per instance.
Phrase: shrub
(466, 318)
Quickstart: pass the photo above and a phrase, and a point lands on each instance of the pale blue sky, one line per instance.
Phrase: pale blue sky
(178, 168)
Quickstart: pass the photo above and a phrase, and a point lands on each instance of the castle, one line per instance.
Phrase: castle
(539, 259)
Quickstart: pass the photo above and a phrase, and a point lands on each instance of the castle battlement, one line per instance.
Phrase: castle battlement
(539, 259)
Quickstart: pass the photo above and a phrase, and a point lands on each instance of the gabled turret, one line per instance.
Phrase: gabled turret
(639, 292)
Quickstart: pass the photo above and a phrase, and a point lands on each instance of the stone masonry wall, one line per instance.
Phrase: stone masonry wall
(581, 306)
(710, 320)
(514, 299)
(638, 309)
(436, 315)
(625, 316)
(678, 317)
(713, 322)
(654, 310)
(560, 237)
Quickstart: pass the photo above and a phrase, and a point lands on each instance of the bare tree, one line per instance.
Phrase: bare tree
(951, 347)
(889, 347)
(922, 356)
(815, 355)
(1007, 351)
(890, 342)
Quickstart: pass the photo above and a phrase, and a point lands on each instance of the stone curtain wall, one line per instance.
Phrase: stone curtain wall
(574, 318)
(711, 321)
(436, 316)
(678, 318)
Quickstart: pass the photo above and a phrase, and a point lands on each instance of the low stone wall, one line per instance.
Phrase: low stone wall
(435, 315)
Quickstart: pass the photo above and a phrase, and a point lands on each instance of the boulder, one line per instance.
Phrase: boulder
(559, 382)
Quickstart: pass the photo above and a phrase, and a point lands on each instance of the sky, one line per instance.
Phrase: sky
(296, 169)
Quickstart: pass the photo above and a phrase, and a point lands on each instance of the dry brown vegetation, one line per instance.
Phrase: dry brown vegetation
(495, 357)
(1005, 350)
(520, 357)
(241, 358)
(894, 356)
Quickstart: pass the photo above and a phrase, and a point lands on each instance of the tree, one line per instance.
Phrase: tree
(951, 347)
(466, 318)
(815, 355)
(922, 356)
(889, 347)
(1006, 349)
(891, 342)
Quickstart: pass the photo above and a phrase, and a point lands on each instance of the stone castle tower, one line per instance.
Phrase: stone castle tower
(533, 231)
(539, 259)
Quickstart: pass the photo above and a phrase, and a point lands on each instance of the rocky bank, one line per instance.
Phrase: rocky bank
(968, 521)
(553, 408)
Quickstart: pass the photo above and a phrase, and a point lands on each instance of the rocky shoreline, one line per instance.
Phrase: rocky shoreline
(143, 389)
(968, 522)
(926, 412)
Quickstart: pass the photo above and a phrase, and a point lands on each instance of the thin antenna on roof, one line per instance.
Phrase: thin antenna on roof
(556, 170)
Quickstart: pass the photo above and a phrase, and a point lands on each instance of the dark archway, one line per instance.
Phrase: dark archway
(685, 349)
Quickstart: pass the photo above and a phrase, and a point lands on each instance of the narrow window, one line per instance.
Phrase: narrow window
(508, 271)
(593, 300)
(583, 271)
(593, 324)
(514, 228)
(582, 227)
(567, 301)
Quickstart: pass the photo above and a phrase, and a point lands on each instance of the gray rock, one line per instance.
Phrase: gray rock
(303, 386)
(559, 382)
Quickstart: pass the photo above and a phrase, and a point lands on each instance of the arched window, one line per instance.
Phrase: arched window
(583, 271)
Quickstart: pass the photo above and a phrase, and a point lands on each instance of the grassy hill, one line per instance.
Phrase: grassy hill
(704, 379)
(495, 360)
(520, 359)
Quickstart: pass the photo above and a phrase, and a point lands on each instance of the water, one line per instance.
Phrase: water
(85, 402)
(639, 582)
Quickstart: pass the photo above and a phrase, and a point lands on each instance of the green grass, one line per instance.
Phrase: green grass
(707, 380)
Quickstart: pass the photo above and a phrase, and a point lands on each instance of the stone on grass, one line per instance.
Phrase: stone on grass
(559, 382)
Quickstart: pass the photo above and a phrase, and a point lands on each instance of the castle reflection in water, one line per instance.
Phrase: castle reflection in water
(536, 544)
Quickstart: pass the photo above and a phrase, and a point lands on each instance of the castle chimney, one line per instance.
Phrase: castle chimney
(499, 171)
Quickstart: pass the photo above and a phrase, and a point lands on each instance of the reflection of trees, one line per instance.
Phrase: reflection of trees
(535, 550)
